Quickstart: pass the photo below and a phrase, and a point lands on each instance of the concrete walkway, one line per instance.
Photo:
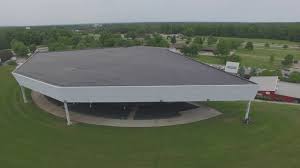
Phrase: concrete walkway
(188, 116)
(276, 102)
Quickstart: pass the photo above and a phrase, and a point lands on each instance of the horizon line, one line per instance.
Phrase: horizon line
(153, 22)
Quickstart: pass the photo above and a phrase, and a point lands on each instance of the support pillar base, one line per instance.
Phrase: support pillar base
(67, 113)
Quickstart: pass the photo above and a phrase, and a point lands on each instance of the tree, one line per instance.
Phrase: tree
(223, 48)
(285, 46)
(156, 40)
(272, 59)
(234, 44)
(56, 46)
(75, 39)
(233, 58)
(19, 48)
(253, 72)
(267, 45)
(188, 40)
(211, 40)
(131, 34)
(173, 39)
(190, 50)
(288, 60)
(32, 48)
(241, 71)
(198, 40)
(197, 43)
(294, 77)
(81, 45)
(249, 46)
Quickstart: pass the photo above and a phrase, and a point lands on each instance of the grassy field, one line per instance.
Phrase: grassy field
(270, 41)
(35, 139)
(260, 56)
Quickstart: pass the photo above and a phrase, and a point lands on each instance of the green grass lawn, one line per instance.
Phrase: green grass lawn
(34, 139)
(270, 41)
(260, 57)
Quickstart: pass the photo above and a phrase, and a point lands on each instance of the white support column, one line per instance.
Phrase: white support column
(67, 113)
(247, 112)
(23, 94)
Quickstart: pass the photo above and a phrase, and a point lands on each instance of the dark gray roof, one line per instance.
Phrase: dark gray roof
(133, 66)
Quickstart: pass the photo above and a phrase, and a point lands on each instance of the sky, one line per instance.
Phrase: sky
(48, 12)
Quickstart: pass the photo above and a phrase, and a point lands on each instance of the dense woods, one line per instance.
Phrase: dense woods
(63, 36)
(281, 31)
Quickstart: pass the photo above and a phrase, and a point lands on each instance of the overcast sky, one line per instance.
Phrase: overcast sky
(45, 12)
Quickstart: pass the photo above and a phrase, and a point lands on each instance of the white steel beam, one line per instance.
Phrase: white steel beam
(67, 113)
(23, 94)
(247, 112)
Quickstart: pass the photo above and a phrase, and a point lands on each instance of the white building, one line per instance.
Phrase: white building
(134, 74)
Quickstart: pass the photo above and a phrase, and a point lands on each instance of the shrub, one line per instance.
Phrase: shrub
(272, 58)
(271, 73)
(233, 58)
(267, 45)
(294, 77)
(13, 63)
(249, 46)
(190, 50)
(288, 60)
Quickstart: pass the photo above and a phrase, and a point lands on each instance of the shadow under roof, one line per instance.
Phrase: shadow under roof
(133, 66)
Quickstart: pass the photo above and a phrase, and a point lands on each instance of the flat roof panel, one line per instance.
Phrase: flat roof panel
(288, 89)
(132, 66)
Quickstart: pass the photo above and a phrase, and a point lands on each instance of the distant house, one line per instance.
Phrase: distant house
(271, 88)
(5, 55)
(42, 49)
(213, 50)
(208, 51)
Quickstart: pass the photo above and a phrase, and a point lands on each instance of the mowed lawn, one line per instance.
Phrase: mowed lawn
(272, 42)
(260, 56)
(34, 139)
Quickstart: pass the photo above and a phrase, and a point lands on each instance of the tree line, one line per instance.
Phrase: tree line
(79, 36)
(281, 31)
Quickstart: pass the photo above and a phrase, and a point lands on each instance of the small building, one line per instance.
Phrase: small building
(267, 84)
(212, 50)
(208, 51)
(270, 88)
